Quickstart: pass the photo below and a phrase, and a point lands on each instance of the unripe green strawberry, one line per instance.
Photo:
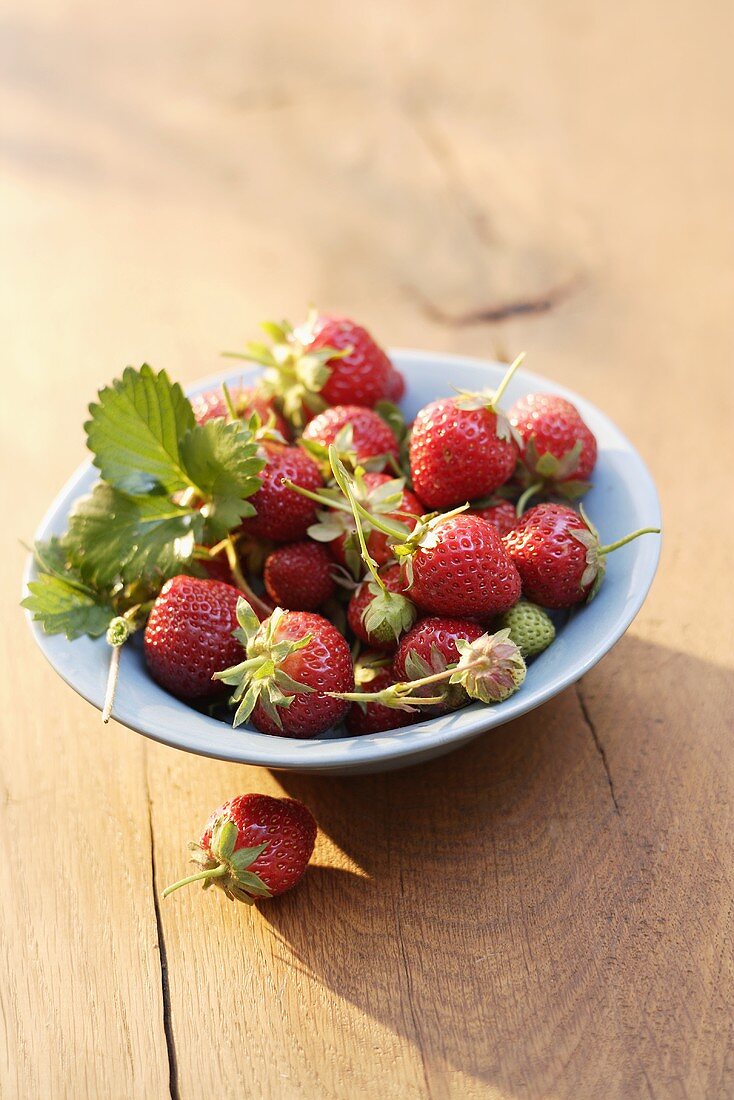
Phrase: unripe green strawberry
(531, 629)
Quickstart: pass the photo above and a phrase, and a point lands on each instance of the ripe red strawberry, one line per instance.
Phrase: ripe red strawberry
(359, 434)
(363, 375)
(395, 387)
(218, 569)
(384, 498)
(253, 846)
(298, 576)
(459, 567)
(326, 361)
(246, 400)
(383, 636)
(558, 555)
(367, 718)
(282, 514)
(291, 661)
(501, 515)
(431, 647)
(557, 449)
(462, 448)
(189, 637)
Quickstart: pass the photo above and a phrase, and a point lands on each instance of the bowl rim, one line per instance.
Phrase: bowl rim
(431, 735)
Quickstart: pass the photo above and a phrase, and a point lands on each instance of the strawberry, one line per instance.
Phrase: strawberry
(500, 513)
(292, 661)
(367, 616)
(395, 387)
(558, 555)
(531, 628)
(462, 448)
(298, 576)
(456, 565)
(557, 449)
(431, 646)
(359, 434)
(246, 401)
(366, 718)
(216, 567)
(385, 500)
(252, 847)
(283, 515)
(189, 637)
(362, 374)
(326, 361)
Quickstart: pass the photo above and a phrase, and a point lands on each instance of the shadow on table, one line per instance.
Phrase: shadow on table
(497, 924)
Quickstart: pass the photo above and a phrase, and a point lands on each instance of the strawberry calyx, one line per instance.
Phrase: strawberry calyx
(388, 614)
(343, 442)
(224, 867)
(423, 536)
(295, 373)
(491, 668)
(596, 565)
(259, 679)
(549, 475)
(490, 399)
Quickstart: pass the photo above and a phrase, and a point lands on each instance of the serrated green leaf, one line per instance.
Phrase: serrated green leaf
(135, 431)
(112, 534)
(64, 607)
(221, 460)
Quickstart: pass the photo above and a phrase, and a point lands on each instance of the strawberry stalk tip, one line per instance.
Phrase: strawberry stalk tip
(611, 546)
(509, 374)
(118, 632)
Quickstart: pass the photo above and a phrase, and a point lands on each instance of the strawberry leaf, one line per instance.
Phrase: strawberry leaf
(113, 535)
(135, 432)
(221, 460)
(65, 606)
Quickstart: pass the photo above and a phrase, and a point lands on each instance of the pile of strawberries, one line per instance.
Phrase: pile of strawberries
(296, 556)
(388, 573)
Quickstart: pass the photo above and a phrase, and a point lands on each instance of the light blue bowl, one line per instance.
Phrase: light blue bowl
(623, 498)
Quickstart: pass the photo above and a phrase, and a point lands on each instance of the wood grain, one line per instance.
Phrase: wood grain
(547, 913)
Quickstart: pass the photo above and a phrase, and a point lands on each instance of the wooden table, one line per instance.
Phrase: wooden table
(547, 913)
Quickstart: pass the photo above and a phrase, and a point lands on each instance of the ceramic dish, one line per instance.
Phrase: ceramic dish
(623, 498)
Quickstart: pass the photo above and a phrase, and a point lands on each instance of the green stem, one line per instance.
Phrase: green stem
(628, 538)
(394, 691)
(506, 380)
(325, 502)
(382, 525)
(436, 678)
(234, 564)
(343, 483)
(529, 492)
(210, 873)
(384, 697)
(229, 402)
